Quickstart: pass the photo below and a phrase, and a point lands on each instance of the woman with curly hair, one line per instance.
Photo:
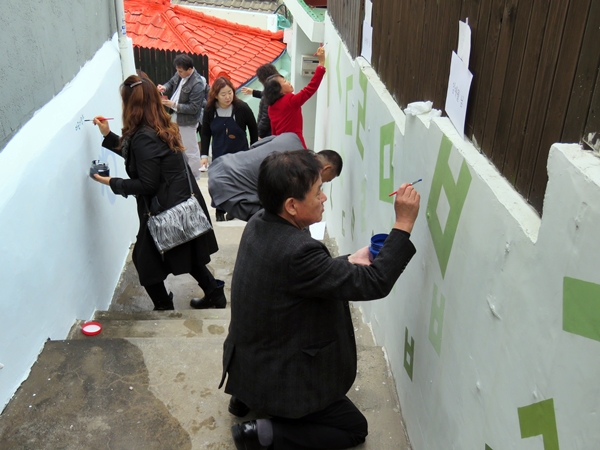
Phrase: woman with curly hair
(154, 160)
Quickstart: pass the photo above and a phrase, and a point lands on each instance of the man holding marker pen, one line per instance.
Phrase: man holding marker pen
(187, 98)
(291, 353)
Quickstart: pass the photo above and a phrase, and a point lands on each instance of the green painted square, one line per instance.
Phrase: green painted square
(456, 193)
(539, 419)
(386, 184)
(362, 113)
(349, 87)
(581, 308)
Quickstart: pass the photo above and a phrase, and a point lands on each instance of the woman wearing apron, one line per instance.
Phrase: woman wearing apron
(226, 119)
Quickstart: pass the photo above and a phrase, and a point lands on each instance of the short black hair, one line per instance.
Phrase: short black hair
(334, 159)
(272, 91)
(265, 71)
(284, 175)
(184, 61)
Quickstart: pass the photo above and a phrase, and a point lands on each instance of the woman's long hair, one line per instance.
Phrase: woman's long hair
(142, 107)
(220, 83)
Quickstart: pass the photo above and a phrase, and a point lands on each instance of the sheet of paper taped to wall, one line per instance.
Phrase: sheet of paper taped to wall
(317, 230)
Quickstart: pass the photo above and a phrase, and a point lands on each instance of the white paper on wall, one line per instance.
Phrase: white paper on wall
(459, 86)
(317, 230)
(464, 41)
(367, 39)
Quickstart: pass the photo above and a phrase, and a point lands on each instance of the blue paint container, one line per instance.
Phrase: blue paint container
(377, 241)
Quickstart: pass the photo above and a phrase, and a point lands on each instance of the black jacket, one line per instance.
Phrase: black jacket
(263, 122)
(291, 349)
(156, 170)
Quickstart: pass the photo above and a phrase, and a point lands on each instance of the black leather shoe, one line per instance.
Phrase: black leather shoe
(237, 407)
(245, 436)
(166, 306)
(220, 216)
(216, 299)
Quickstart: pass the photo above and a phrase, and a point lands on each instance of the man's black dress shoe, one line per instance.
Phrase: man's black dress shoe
(245, 436)
(237, 407)
(216, 299)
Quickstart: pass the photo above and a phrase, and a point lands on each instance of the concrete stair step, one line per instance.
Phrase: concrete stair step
(224, 313)
(156, 394)
(193, 328)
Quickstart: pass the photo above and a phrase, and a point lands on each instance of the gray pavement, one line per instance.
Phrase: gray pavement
(149, 379)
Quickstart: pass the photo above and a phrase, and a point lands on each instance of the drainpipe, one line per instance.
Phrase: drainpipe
(125, 50)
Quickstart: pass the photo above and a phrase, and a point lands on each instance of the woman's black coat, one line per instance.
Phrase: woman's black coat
(156, 170)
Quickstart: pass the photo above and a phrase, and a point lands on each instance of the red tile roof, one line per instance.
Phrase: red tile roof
(233, 50)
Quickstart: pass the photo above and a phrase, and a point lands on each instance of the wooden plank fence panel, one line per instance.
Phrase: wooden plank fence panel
(414, 58)
(470, 13)
(593, 121)
(426, 56)
(486, 76)
(525, 89)
(479, 27)
(158, 64)
(401, 42)
(501, 68)
(509, 100)
(539, 104)
(562, 85)
(535, 65)
(585, 78)
(394, 56)
(450, 13)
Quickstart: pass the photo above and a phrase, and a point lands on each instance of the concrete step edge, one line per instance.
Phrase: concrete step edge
(163, 315)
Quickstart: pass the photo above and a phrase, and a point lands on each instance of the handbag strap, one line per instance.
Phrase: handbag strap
(187, 172)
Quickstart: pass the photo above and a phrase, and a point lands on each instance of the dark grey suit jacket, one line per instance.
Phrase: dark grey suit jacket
(291, 349)
(233, 177)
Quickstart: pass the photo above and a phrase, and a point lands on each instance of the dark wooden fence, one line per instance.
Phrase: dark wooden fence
(158, 64)
(348, 16)
(535, 65)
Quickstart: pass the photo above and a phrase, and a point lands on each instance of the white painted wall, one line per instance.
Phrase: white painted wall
(65, 237)
(253, 19)
(494, 362)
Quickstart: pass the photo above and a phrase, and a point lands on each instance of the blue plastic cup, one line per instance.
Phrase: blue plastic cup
(377, 241)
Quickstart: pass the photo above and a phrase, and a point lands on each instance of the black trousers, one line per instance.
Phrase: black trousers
(159, 296)
(339, 426)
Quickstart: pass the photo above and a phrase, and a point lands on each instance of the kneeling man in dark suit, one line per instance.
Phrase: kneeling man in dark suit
(290, 352)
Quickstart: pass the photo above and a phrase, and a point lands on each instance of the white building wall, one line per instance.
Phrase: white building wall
(250, 18)
(65, 237)
(493, 331)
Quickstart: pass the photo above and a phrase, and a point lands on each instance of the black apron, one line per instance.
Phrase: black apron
(227, 136)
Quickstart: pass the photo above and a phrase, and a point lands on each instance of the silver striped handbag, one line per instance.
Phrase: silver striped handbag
(179, 224)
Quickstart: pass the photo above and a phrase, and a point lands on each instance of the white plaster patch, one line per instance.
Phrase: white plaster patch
(490, 302)
(443, 209)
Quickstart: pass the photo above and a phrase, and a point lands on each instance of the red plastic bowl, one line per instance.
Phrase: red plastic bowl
(91, 328)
